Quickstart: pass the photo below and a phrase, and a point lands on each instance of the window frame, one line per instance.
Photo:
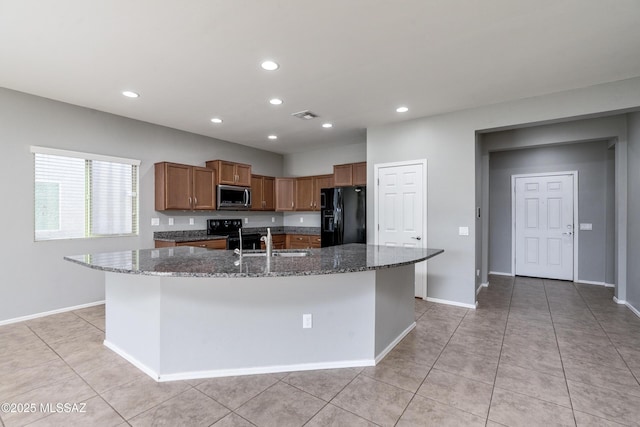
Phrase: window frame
(88, 158)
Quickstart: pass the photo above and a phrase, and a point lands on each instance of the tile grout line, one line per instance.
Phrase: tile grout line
(430, 369)
(513, 284)
(566, 381)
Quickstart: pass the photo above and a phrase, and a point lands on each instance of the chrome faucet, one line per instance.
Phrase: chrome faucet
(267, 242)
(238, 251)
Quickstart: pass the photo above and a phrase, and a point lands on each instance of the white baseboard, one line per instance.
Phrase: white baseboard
(590, 282)
(609, 285)
(49, 313)
(394, 343)
(217, 373)
(482, 285)
(499, 273)
(447, 302)
(629, 306)
(633, 309)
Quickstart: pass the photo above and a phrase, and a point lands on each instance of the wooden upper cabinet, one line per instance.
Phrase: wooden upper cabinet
(204, 188)
(360, 173)
(184, 187)
(308, 191)
(231, 173)
(304, 194)
(285, 194)
(342, 175)
(262, 193)
(350, 174)
(269, 193)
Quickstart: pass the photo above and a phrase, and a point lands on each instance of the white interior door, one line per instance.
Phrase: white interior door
(544, 228)
(401, 212)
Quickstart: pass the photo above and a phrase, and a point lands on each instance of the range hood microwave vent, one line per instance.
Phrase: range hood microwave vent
(305, 115)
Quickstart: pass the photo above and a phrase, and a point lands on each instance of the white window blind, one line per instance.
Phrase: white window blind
(80, 195)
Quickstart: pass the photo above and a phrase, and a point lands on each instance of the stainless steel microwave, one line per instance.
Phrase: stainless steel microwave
(234, 198)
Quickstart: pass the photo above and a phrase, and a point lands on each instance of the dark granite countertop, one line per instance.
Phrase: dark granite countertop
(200, 262)
(198, 235)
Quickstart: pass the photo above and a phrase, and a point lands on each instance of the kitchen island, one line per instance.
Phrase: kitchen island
(186, 312)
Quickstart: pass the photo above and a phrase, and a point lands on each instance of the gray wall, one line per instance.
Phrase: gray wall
(633, 272)
(448, 143)
(35, 278)
(590, 160)
(319, 162)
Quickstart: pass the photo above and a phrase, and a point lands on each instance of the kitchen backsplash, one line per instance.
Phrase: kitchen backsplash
(181, 220)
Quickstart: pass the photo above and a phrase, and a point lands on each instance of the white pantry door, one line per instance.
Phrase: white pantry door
(544, 226)
(401, 211)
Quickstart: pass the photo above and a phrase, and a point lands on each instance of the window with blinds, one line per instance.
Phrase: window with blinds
(80, 195)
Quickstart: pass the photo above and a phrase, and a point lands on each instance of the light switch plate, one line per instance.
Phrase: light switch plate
(307, 321)
(170, 221)
(463, 231)
(155, 222)
(192, 221)
(246, 220)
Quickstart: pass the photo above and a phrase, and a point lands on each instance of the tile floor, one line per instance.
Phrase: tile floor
(534, 353)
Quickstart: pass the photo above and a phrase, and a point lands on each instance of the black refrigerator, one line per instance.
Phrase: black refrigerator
(343, 215)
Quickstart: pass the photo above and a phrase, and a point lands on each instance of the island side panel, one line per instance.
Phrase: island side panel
(132, 319)
(394, 307)
(234, 326)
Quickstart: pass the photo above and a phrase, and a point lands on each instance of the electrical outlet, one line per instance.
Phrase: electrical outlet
(170, 221)
(301, 219)
(246, 220)
(192, 221)
(307, 321)
(155, 222)
(463, 231)
(273, 219)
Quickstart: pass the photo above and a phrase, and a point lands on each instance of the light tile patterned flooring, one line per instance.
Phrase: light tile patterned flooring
(534, 353)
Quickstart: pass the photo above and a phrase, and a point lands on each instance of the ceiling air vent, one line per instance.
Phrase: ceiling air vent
(305, 115)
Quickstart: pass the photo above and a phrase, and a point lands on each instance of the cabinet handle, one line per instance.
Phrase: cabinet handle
(190, 201)
(195, 201)
(291, 204)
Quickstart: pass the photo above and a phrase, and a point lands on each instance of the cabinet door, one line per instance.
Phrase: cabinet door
(204, 188)
(243, 174)
(298, 241)
(257, 189)
(173, 186)
(343, 175)
(360, 173)
(320, 182)
(209, 244)
(226, 172)
(285, 193)
(315, 241)
(268, 193)
(304, 193)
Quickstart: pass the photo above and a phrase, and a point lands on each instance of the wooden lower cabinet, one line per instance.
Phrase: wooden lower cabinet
(279, 241)
(302, 241)
(209, 244)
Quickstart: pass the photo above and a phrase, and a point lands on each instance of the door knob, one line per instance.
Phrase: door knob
(417, 238)
(568, 233)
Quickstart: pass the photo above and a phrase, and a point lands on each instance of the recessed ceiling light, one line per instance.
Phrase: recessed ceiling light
(402, 109)
(327, 125)
(275, 101)
(270, 65)
(273, 137)
(130, 94)
(216, 120)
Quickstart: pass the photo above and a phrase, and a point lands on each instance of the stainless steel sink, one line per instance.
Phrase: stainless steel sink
(291, 253)
(286, 254)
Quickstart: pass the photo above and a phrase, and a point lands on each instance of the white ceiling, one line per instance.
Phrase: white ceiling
(350, 61)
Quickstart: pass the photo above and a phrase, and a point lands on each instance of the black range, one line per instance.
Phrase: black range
(232, 228)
